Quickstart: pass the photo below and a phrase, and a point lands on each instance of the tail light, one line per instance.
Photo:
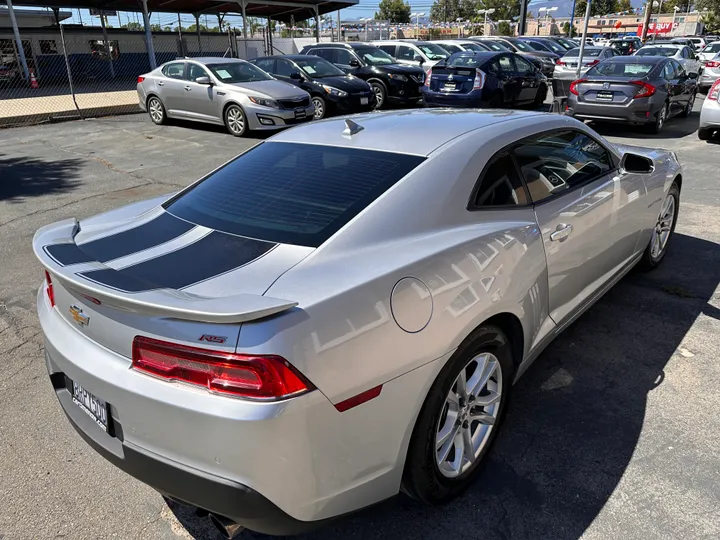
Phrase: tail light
(250, 376)
(646, 89)
(714, 92)
(479, 81)
(712, 64)
(574, 84)
(560, 63)
(427, 77)
(594, 63)
(140, 78)
(49, 289)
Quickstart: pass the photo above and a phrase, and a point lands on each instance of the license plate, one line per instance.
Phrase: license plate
(605, 96)
(299, 113)
(572, 65)
(364, 101)
(93, 406)
(450, 87)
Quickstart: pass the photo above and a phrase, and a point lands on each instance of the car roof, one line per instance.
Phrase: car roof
(414, 131)
(287, 56)
(636, 59)
(352, 45)
(213, 60)
(487, 54)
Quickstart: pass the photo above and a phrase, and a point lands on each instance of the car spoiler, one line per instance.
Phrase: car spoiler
(171, 303)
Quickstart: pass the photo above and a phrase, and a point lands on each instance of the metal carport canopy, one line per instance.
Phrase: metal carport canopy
(279, 10)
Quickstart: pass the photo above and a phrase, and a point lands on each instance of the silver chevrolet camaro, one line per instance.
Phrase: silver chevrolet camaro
(224, 91)
(340, 312)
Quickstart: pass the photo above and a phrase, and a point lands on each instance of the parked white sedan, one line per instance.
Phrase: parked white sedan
(682, 53)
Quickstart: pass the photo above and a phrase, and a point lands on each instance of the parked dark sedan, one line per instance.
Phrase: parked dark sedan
(332, 91)
(484, 79)
(630, 89)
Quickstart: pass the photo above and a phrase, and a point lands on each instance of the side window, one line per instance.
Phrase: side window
(493, 67)
(556, 162)
(405, 53)
(500, 184)
(176, 70)
(669, 71)
(523, 66)
(343, 57)
(266, 64)
(507, 67)
(284, 68)
(679, 70)
(390, 49)
(327, 54)
(196, 71)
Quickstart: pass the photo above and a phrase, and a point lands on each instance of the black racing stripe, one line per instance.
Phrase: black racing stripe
(157, 231)
(210, 256)
(67, 254)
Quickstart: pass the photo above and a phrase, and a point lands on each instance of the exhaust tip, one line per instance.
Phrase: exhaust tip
(226, 526)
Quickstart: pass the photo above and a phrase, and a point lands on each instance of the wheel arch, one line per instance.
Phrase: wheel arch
(678, 180)
(231, 102)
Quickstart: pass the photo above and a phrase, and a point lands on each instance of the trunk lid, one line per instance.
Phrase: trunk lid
(157, 275)
(608, 90)
(458, 80)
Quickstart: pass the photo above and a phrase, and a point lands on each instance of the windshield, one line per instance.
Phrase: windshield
(291, 193)
(452, 48)
(712, 48)
(567, 43)
(621, 45)
(375, 56)
(473, 47)
(433, 52)
(588, 51)
(657, 51)
(318, 67)
(554, 47)
(609, 68)
(526, 46)
(238, 72)
(497, 46)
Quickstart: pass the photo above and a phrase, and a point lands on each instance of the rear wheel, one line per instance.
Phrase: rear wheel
(460, 418)
(663, 230)
(689, 107)
(705, 134)
(320, 107)
(156, 110)
(380, 92)
(235, 120)
(660, 117)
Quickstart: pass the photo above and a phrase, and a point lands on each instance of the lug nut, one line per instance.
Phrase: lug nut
(465, 424)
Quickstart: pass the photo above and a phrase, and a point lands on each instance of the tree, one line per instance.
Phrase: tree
(569, 32)
(504, 28)
(597, 7)
(395, 11)
(133, 27)
(711, 22)
(625, 5)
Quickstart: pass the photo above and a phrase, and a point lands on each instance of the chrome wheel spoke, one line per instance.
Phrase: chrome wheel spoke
(461, 385)
(444, 449)
(484, 370)
(485, 401)
(468, 447)
(483, 417)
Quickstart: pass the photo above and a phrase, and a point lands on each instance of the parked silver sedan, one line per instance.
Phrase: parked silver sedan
(222, 91)
(566, 67)
(340, 312)
(710, 113)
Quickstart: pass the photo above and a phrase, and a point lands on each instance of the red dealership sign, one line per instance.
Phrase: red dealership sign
(657, 28)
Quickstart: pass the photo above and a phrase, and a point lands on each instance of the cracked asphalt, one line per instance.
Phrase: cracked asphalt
(612, 433)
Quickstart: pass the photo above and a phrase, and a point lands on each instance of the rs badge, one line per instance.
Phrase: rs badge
(78, 316)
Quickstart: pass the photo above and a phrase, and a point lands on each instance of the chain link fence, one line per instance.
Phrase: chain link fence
(83, 72)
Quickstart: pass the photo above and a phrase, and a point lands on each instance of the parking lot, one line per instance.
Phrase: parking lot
(612, 433)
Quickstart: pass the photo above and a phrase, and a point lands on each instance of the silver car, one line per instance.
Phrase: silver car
(682, 54)
(566, 67)
(710, 57)
(339, 313)
(710, 113)
(222, 91)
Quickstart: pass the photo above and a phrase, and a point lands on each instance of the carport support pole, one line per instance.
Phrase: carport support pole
(340, 28)
(18, 41)
(197, 29)
(56, 12)
(108, 47)
(148, 36)
(582, 42)
(243, 5)
(317, 24)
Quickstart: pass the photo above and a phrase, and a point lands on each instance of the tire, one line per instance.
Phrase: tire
(496, 100)
(689, 107)
(428, 478)
(156, 110)
(705, 134)
(380, 92)
(320, 108)
(540, 97)
(235, 120)
(660, 119)
(654, 253)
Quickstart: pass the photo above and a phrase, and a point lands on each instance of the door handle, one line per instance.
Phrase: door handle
(561, 232)
(160, 83)
(187, 87)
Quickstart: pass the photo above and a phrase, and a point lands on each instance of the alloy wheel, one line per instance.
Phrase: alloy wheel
(319, 108)
(690, 105)
(235, 120)
(663, 227)
(156, 110)
(379, 96)
(468, 415)
(661, 117)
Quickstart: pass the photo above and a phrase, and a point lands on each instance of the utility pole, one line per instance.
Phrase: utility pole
(646, 24)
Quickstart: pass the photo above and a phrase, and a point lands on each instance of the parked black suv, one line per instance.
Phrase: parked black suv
(389, 80)
(332, 90)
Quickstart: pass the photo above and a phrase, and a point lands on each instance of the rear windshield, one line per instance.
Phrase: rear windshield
(466, 59)
(657, 51)
(291, 193)
(621, 45)
(586, 52)
(712, 48)
(620, 69)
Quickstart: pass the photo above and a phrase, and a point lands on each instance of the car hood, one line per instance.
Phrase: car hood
(273, 89)
(346, 83)
(542, 54)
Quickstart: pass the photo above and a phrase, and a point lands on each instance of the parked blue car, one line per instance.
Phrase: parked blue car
(484, 79)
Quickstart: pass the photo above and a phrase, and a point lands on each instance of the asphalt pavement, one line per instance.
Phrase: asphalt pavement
(612, 433)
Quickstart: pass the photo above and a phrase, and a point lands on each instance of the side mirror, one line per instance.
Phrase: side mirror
(634, 163)
(419, 59)
(354, 63)
(296, 75)
(203, 80)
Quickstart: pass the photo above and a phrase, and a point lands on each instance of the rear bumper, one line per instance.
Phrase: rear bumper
(708, 77)
(438, 99)
(710, 115)
(638, 111)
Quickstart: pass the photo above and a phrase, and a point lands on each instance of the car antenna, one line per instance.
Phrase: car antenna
(351, 128)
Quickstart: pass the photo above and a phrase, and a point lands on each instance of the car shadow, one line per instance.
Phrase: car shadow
(22, 177)
(574, 422)
(675, 128)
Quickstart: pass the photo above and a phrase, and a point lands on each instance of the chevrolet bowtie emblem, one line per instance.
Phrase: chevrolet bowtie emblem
(78, 316)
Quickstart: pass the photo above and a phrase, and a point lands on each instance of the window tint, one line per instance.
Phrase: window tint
(500, 185)
(523, 66)
(390, 49)
(291, 193)
(196, 71)
(451, 48)
(266, 64)
(559, 161)
(405, 53)
(175, 70)
(506, 65)
(343, 57)
(669, 71)
(679, 71)
(327, 54)
(284, 67)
